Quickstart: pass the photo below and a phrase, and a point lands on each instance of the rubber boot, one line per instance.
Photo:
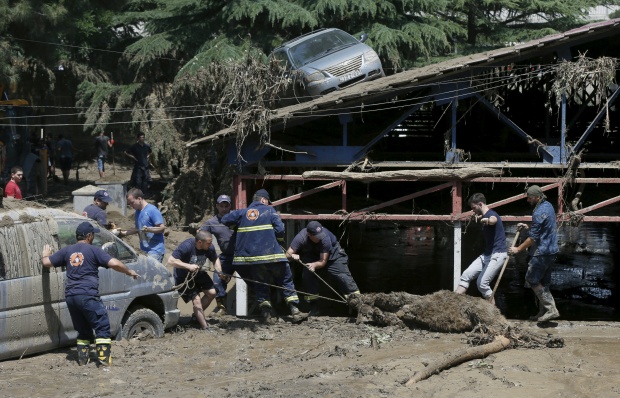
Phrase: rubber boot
(298, 316)
(104, 354)
(220, 305)
(83, 351)
(314, 309)
(541, 310)
(546, 299)
(265, 311)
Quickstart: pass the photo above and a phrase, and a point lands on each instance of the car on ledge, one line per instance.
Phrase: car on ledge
(327, 60)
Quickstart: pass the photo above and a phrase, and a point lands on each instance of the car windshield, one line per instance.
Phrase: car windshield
(318, 46)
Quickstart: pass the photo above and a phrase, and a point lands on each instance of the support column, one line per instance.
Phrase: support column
(239, 193)
(457, 255)
(457, 206)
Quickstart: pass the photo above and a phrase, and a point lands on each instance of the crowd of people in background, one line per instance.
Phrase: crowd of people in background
(61, 152)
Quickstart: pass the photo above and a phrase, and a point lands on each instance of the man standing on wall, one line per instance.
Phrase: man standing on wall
(102, 143)
(140, 152)
(543, 240)
(65, 148)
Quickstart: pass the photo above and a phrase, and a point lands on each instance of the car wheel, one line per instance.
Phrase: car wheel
(140, 322)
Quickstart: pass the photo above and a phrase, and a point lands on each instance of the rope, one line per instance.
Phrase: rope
(317, 275)
(190, 278)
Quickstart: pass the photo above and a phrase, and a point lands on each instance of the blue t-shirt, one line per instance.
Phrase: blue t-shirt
(188, 253)
(494, 235)
(96, 213)
(224, 235)
(150, 217)
(310, 252)
(82, 261)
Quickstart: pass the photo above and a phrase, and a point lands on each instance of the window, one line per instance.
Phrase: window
(103, 239)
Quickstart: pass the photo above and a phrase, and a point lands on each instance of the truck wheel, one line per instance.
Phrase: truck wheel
(140, 322)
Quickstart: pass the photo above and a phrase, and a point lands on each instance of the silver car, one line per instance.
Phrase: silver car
(33, 311)
(327, 60)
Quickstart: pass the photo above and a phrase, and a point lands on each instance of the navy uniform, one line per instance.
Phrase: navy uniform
(82, 291)
(325, 250)
(226, 241)
(259, 228)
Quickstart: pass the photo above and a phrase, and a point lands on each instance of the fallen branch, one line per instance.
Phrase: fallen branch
(457, 358)
(409, 175)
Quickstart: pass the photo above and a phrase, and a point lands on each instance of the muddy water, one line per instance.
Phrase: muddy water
(419, 259)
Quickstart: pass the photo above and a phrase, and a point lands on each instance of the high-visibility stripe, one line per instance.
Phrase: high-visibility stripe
(291, 298)
(83, 342)
(266, 257)
(103, 341)
(312, 298)
(255, 228)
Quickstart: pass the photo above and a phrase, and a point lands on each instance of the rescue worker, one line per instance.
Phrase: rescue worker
(319, 251)
(226, 241)
(259, 228)
(543, 240)
(87, 311)
(188, 260)
(96, 210)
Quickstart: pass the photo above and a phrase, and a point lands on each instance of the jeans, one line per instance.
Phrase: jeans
(101, 163)
(483, 269)
(539, 270)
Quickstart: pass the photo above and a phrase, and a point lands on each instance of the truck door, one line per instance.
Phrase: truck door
(29, 294)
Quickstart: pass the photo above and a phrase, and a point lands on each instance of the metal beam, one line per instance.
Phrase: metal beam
(596, 120)
(509, 122)
(403, 198)
(306, 193)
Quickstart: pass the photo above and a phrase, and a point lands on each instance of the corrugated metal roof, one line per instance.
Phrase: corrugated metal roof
(403, 82)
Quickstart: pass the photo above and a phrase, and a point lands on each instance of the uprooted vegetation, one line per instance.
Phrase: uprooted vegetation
(486, 328)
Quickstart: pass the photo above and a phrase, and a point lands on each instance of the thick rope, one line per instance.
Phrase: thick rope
(190, 279)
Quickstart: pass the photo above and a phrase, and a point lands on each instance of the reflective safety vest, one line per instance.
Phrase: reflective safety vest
(259, 230)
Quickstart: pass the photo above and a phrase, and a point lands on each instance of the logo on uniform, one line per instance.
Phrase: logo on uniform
(252, 214)
(76, 259)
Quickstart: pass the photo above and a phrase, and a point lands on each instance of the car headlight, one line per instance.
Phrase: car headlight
(313, 77)
(371, 56)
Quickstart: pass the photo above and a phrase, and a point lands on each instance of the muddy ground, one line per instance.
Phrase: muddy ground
(321, 357)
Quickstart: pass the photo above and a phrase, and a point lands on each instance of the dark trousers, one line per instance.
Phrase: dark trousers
(87, 314)
(338, 269)
(140, 178)
(278, 274)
